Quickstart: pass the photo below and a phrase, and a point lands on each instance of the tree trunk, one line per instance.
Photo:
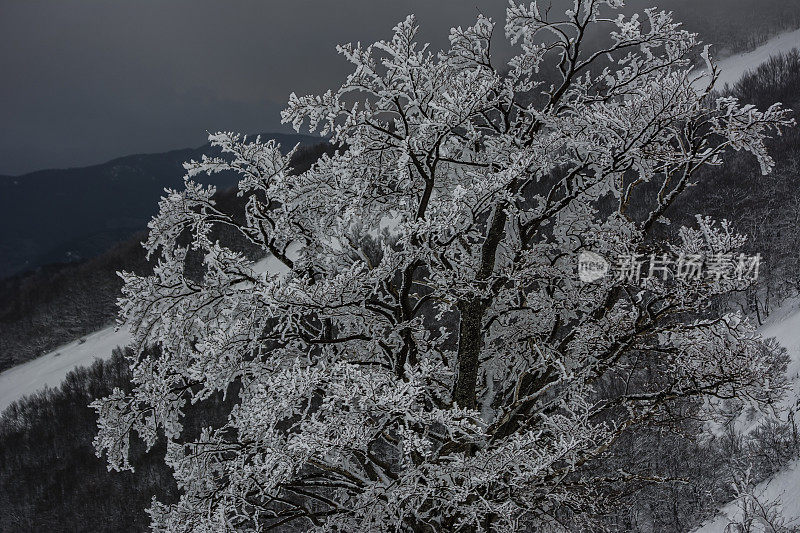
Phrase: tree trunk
(470, 343)
(470, 335)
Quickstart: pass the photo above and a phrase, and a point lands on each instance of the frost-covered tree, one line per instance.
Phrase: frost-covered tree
(428, 358)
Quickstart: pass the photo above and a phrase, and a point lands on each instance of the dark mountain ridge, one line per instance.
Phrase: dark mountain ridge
(63, 215)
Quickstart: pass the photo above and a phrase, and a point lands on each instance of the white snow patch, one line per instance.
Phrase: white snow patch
(787, 332)
(734, 67)
(52, 368)
(783, 487)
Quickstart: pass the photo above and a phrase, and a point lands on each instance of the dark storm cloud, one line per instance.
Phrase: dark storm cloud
(84, 81)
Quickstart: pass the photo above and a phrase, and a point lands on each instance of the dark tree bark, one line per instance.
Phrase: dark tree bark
(470, 335)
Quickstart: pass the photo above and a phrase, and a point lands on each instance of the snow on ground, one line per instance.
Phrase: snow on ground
(786, 330)
(784, 487)
(734, 67)
(51, 369)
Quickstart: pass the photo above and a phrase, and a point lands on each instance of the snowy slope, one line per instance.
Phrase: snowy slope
(784, 487)
(734, 67)
(52, 368)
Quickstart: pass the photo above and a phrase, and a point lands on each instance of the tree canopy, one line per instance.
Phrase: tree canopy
(427, 358)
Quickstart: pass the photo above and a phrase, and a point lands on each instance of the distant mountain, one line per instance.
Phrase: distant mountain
(63, 215)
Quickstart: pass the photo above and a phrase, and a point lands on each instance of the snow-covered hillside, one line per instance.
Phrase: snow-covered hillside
(734, 67)
(51, 369)
(784, 487)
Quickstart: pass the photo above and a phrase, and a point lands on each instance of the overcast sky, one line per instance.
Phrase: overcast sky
(86, 81)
